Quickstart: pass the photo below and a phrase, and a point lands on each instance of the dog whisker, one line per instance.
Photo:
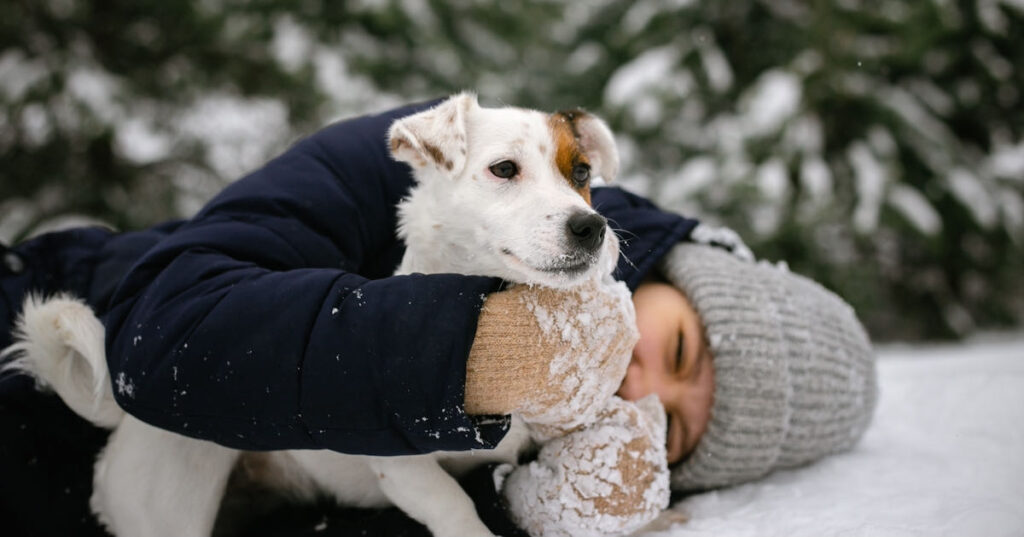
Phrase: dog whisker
(612, 223)
(624, 241)
(628, 260)
(618, 233)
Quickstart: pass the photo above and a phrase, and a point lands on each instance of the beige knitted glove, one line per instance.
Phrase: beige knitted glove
(610, 478)
(552, 356)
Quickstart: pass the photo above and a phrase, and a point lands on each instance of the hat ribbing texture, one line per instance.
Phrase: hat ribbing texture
(794, 369)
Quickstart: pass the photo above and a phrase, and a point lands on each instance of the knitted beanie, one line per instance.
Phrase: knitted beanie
(794, 369)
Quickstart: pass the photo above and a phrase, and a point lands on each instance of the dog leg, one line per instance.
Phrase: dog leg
(420, 487)
(348, 478)
(153, 483)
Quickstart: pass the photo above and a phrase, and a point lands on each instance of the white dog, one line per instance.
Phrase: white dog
(500, 192)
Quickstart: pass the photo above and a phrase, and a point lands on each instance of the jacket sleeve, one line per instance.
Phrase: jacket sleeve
(646, 233)
(270, 320)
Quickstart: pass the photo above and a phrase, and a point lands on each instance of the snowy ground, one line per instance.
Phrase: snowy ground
(944, 456)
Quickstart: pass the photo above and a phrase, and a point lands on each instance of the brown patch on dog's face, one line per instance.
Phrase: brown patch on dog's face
(436, 154)
(398, 143)
(568, 151)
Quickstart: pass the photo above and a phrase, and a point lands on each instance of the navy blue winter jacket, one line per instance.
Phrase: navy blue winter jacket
(270, 320)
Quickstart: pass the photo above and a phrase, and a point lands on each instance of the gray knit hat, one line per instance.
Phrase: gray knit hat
(794, 370)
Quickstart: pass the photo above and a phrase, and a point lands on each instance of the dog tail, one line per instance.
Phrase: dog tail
(60, 343)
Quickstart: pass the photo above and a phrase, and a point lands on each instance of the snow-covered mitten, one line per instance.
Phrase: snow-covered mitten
(722, 237)
(552, 356)
(609, 478)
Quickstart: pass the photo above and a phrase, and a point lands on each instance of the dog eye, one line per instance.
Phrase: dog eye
(505, 169)
(581, 174)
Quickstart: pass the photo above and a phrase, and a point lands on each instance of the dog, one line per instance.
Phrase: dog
(501, 192)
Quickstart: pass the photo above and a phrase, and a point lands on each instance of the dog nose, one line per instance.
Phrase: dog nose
(586, 230)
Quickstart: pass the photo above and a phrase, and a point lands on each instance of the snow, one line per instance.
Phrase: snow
(967, 188)
(1011, 206)
(36, 125)
(238, 133)
(805, 134)
(928, 135)
(943, 457)
(916, 208)
(580, 484)
(587, 56)
(19, 74)
(991, 16)
(774, 99)
(695, 174)
(137, 140)
(291, 44)
(772, 180)
(1008, 161)
(870, 181)
(96, 89)
(935, 97)
(642, 12)
(816, 180)
(125, 385)
(716, 65)
(648, 70)
(574, 338)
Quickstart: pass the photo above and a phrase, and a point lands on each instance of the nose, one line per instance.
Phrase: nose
(586, 230)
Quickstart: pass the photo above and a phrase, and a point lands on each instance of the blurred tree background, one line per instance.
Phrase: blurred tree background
(876, 145)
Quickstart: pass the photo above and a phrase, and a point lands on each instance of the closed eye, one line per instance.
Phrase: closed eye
(679, 353)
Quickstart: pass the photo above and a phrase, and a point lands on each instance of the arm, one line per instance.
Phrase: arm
(255, 324)
(646, 233)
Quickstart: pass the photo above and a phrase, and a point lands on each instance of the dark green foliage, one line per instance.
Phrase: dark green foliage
(877, 146)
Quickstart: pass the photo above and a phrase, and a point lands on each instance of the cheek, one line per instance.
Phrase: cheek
(509, 218)
(647, 349)
(633, 384)
(645, 374)
(472, 202)
(652, 347)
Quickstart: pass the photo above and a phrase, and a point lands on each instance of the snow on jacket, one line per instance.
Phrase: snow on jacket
(270, 320)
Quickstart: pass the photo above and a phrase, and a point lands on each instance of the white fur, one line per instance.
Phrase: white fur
(462, 220)
(458, 218)
(150, 482)
(59, 342)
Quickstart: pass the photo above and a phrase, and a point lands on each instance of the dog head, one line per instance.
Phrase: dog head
(505, 192)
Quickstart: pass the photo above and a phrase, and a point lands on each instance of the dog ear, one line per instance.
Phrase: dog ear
(434, 137)
(598, 143)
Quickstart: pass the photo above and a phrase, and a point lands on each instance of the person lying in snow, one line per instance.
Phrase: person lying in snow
(757, 368)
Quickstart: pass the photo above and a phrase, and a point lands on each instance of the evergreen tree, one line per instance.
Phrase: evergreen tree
(877, 146)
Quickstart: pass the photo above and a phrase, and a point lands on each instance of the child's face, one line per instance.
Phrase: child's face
(672, 360)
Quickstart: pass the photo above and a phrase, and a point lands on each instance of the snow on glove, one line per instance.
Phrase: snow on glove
(610, 478)
(722, 237)
(555, 357)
